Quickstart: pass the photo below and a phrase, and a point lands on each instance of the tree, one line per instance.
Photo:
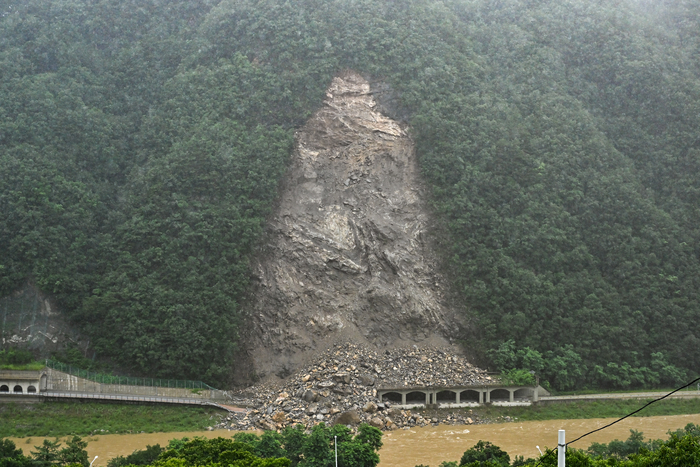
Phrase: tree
(270, 445)
(74, 452)
(317, 448)
(139, 457)
(293, 441)
(619, 449)
(11, 456)
(212, 452)
(47, 454)
(484, 454)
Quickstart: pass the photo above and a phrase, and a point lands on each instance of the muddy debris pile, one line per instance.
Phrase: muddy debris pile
(341, 387)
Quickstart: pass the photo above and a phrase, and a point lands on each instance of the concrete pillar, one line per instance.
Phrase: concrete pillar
(457, 396)
(512, 394)
(481, 397)
(488, 396)
(535, 395)
(403, 398)
(427, 398)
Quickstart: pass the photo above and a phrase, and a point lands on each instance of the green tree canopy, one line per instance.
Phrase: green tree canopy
(142, 146)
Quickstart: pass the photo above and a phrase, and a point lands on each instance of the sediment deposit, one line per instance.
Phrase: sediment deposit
(340, 386)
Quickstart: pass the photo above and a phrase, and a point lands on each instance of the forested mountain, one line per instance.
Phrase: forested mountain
(142, 144)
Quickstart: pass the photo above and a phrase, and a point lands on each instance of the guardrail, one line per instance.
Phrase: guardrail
(123, 398)
(627, 395)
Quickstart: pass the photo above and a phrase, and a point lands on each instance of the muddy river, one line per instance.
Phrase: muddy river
(429, 445)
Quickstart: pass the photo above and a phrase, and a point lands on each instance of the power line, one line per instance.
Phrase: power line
(636, 411)
(551, 451)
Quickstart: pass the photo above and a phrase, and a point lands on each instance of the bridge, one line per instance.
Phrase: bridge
(461, 396)
(51, 384)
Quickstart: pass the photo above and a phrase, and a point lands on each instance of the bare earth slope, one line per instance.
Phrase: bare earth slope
(346, 257)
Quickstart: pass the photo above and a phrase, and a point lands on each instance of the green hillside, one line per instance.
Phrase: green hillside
(142, 143)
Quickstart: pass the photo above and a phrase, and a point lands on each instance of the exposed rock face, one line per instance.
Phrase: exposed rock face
(347, 257)
(31, 321)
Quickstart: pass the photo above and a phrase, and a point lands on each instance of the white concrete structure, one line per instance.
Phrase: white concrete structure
(22, 382)
(465, 396)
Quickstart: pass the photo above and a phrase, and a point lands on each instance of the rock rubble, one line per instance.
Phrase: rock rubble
(341, 387)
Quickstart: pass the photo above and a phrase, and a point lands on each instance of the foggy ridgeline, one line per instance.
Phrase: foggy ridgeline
(142, 144)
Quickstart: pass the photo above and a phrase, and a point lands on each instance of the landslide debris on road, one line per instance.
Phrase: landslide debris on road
(341, 387)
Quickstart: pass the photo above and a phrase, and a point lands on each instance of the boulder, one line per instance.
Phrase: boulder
(348, 418)
(266, 426)
(310, 396)
(342, 377)
(366, 380)
(370, 407)
(376, 422)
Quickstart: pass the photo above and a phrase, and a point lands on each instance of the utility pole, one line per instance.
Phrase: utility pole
(335, 443)
(561, 446)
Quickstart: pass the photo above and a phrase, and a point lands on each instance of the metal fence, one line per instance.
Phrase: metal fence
(126, 380)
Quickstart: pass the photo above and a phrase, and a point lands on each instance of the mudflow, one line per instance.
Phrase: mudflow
(346, 257)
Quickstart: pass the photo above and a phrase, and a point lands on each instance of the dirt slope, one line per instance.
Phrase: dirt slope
(347, 257)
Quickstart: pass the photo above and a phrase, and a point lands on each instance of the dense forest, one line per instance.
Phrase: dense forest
(142, 144)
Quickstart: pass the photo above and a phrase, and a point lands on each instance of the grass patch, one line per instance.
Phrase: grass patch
(31, 366)
(581, 392)
(91, 418)
(589, 409)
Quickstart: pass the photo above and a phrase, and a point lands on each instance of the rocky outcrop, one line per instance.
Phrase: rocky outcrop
(346, 257)
(31, 321)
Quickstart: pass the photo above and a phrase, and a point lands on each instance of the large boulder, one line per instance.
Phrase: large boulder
(366, 380)
(370, 407)
(377, 422)
(310, 396)
(266, 425)
(348, 418)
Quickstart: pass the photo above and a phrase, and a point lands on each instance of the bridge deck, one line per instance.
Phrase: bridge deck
(123, 397)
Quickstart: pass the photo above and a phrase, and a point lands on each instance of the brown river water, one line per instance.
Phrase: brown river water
(429, 445)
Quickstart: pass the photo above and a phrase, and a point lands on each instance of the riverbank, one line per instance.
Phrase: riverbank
(585, 409)
(91, 418)
(406, 448)
(561, 410)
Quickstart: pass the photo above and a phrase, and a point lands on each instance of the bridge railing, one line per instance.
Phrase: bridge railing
(127, 380)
